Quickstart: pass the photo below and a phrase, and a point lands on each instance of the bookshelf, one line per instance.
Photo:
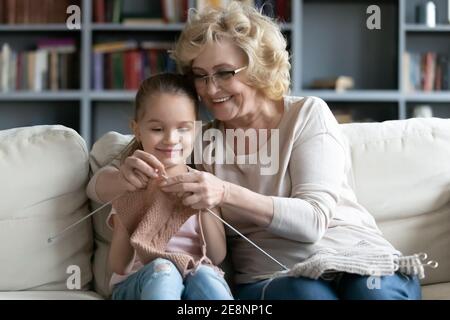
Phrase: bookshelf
(373, 58)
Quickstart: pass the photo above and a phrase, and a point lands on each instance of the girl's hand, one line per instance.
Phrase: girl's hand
(137, 169)
(200, 190)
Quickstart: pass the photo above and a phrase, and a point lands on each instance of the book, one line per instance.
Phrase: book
(63, 79)
(115, 46)
(4, 61)
(406, 69)
(61, 45)
(425, 71)
(98, 71)
(31, 56)
(19, 71)
(416, 77)
(34, 11)
(108, 80)
(282, 9)
(340, 83)
(2, 13)
(428, 71)
(99, 11)
(117, 11)
(438, 74)
(201, 4)
(153, 60)
(109, 6)
(133, 68)
(20, 12)
(54, 79)
(448, 11)
(117, 70)
(40, 70)
(23, 84)
(173, 10)
(445, 72)
(13, 74)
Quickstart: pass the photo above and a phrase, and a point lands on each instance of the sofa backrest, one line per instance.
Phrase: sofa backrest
(401, 174)
(44, 171)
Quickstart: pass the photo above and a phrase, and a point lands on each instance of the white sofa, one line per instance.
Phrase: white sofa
(401, 173)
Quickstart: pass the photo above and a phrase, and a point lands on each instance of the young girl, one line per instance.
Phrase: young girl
(161, 250)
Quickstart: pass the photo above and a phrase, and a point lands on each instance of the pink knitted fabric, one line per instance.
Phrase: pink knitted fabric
(152, 217)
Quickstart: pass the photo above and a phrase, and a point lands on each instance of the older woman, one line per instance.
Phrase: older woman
(240, 66)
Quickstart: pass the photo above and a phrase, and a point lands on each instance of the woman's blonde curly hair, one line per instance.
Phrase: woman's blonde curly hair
(256, 34)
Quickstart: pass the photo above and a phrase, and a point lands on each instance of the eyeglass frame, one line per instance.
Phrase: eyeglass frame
(212, 76)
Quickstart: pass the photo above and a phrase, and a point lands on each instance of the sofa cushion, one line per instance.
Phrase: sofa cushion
(44, 171)
(401, 174)
(440, 291)
(49, 295)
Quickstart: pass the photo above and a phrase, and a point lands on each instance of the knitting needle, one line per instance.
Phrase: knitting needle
(50, 239)
(250, 241)
(240, 234)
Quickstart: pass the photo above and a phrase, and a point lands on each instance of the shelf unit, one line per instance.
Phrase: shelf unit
(422, 28)
(326, 38)
(376, 64)
(36, 27)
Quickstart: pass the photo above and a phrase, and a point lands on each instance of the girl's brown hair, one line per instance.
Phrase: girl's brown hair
(159, 83)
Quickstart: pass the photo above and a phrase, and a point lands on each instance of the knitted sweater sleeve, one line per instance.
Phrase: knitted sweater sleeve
(316, 170)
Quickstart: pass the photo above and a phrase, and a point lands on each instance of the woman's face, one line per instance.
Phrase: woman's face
(166, 127)
(231, 98)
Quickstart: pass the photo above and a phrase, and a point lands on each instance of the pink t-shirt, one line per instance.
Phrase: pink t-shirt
(186, 240)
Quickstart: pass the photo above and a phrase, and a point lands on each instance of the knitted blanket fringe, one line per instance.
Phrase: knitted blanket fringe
(363, 259)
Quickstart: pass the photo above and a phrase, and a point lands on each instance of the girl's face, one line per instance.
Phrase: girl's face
(231, 98)
(166, 127)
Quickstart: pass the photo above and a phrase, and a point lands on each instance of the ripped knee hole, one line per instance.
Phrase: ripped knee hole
(163, 266)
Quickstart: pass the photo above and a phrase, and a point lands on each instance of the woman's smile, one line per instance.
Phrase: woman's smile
(221, 100)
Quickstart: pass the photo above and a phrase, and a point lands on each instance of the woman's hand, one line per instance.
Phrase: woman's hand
(199, 190)
(137, 169)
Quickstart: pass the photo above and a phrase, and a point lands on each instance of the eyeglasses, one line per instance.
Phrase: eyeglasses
(219, 78)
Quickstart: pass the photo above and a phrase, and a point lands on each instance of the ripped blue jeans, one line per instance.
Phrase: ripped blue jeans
(161, 280)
